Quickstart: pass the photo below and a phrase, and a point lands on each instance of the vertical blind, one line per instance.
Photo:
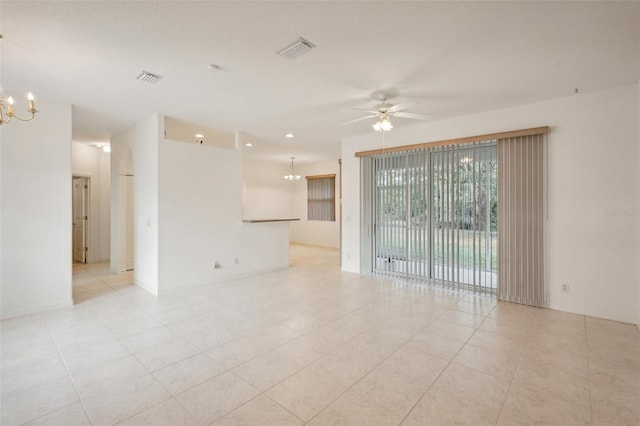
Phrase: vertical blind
(433, 215)
(466, 214)
(521, 215)
(321, 198)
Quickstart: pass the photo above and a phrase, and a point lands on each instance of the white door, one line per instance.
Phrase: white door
(80, 218)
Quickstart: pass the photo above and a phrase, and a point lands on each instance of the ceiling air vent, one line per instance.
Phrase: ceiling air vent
(148, 77)
(296, 49)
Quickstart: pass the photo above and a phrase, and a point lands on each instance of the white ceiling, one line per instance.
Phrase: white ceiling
(453, 58)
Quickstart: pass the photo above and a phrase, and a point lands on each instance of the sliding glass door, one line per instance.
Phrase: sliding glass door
(435, 215)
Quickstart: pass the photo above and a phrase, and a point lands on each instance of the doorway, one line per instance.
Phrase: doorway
(80, 212)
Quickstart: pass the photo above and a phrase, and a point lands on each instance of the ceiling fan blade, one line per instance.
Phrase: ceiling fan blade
(359, 119)
(412, 116)
(371, 111)
(400, 107)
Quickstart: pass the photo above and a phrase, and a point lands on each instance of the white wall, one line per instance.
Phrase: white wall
(265, 194)
(200, 219)
(314, 232)
(89, 161)
(35, 222)
(592, 163)
(142, 141)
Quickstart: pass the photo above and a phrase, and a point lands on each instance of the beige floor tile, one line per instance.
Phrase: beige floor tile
(32, 375)
(27, 353)
(571, 343)
(128, 326)
(191, 325)
(21, 407)
(568, 384)
(91, 331)
(375, 344)
(441, 409)
(166, 353)
(103, 377)
(267, 370)
(509, 326)
(124, 401)
(498, 364)
(450, 330)
(498, 342)
(353, 408)
(305, 349)
(475, 307)
(461, 318)
(415, 363)
(167, 413)
(388, 386)
(78, 357)
(260, 411)
(273, 336)
(526, 407)
(236, 352)
(474, 386)
(148, 339)
(619, 405)
(345, 366)
(610, 375)
(71, 415)
(558, 359)
(212, 336)
(315, 332)
(182, 375)
(216, 397)
(436, 345)
(306, 393)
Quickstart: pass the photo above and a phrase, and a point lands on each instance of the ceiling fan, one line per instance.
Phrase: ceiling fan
(384, 111)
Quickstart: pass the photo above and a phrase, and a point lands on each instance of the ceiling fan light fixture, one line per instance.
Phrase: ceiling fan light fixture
(383, 124)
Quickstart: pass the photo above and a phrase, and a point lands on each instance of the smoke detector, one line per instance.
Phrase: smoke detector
(148, 77)
(296, 49)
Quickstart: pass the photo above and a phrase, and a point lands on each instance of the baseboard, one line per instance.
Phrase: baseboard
(174, 288)
(147, 287)
(295, 243)
(35, 310)
(595, 314)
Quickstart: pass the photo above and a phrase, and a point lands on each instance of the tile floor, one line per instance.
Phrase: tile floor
(312, 345)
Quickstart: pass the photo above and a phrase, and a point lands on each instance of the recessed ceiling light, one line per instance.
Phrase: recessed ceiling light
(199, 135)
(248, 144)
(289, 135)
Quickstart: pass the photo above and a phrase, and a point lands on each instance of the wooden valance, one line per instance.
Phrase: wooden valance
(469, 139)
(321, 176)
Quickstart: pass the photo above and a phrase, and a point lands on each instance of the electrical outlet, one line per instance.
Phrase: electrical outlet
(236, 261)
(565, 288)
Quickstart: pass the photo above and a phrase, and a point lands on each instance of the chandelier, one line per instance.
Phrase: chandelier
(7, 110)
(292, 173)
(383, 124)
